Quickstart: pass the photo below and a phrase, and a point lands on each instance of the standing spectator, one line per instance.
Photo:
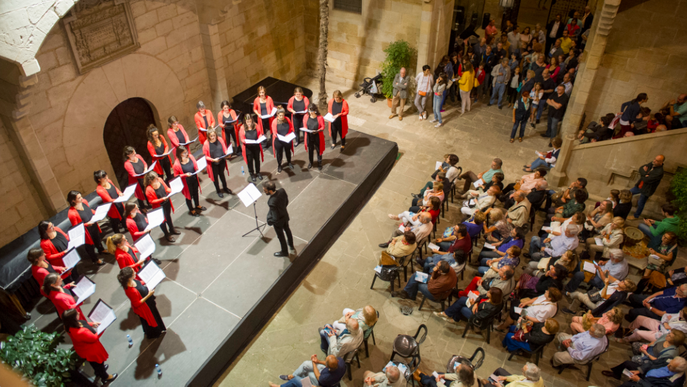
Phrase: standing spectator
(479, 50)
(480, 77)
(514, 38)
(587, 19)
(423, 82)
(572, 28)
(554, 31)
(548, 86)
(557, 104)
(466, 83)
(554, 68)
(514, 84)
(490, 60)
(526, 36)
(501, 74)
(521, 112)
(400, 93)
(536, 95)
(439, 90)
(491, 31)
(650, 177)
(539, 34)
(567, 84)
(678, 111)
(556, 49)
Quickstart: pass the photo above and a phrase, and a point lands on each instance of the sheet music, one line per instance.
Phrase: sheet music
(517, 310)
(274, 110)
(489, 246)
(402, 228)
(176, 186)
(288, 138)
(478, 183)
(230, 150)
(303, 112)
(437, 165)
(101, 212)
(152, 275)
(103, 314)
(432, 246)
(145, 246)
(71, 259)
(258, 141)
(77, 236)
(150, 168)
(589, 267)
(329, 117)
(83, 289)
(471, 202)
(249, 194)
(598, 241)
(202, 163)
(128, 192)
(310, 131)
(538, 153)
(155, 218)
(165, 154)
(189, 141)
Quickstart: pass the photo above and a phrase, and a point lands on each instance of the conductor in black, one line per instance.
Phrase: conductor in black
(278, 217)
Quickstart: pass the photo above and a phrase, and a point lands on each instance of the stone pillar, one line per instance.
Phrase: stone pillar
(215, 64)
(574, 115)
(425, 44)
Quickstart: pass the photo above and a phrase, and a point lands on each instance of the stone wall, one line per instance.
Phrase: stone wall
(645, 53)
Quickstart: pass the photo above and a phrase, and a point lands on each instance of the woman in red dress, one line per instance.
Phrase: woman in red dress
(40, 267)
(87, 344)
(80, 212)
(298, 103)
(228, 120)
(204, 121)
(184, 166)
(249, 130)
(135, 165)
(156, 192)
(282, 126)
(176, 133)
(157, 146)
(338, 107)
(125, 254)
(314, 142)
(53, 290)
(213, 149)
(142, 303)
(108, 192)
(54, 243)
(262, 107)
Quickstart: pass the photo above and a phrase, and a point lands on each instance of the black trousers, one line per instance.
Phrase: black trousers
(280, 229)
(638, 308)
(297, 124)
(218, 174)
(192, 184)
(153, 332)
(266, 129)
(314, 146)
(230, 134)
(629, 364)
(253, 158)
(167, 226)
(280, 148)
(99, 369)
(167, 168)
(337, 130)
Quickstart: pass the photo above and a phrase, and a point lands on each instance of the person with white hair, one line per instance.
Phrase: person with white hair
(531, 377)
(615, 269)
(581, 348)
(339, 344)
(668, 371)
(555, 246)
(390, 376)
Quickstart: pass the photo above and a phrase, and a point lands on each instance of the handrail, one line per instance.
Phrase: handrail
(625, 140)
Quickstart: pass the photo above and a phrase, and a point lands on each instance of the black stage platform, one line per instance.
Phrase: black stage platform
(221, 288)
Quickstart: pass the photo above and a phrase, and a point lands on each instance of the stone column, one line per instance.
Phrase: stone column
(215, 64)
(574, 115)
(425, 44)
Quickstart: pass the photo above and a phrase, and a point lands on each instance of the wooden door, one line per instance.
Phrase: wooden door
(126, 125)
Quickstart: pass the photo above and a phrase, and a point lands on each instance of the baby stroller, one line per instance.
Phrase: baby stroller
(370, 86)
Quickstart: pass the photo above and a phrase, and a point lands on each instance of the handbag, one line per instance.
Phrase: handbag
(388, 260)
(476, 82)
(422, 93)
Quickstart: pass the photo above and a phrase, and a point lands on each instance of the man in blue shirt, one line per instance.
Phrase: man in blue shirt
(658, 373)
(325, 373)
(670, 300)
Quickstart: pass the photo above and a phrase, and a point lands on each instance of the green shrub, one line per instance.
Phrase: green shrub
(678, 189)
(398, 54)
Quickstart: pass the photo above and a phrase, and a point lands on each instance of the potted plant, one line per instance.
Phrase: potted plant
(678, 196)
(34, 354)
(398, 54)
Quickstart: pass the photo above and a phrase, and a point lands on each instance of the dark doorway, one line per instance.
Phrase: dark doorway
(126, 125)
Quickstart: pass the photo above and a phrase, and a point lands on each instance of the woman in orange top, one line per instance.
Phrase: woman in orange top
(156, 192)
(80, 212)
(249, 130)
(262, 106)
(142, 303)
(282, 126)
(204, 121)
(176, 133)
(157, 145)
(314, 141)
(108, 192)
(228, 120)
(338, 107)
(135, 165)
(298, 103)
(87, 344)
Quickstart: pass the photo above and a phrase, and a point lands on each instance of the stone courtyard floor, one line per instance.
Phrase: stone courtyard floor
(342, 278)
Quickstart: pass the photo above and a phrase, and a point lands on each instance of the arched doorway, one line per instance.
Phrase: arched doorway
(126, 125)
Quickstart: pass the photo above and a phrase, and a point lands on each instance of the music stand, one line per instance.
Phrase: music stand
(248, 196)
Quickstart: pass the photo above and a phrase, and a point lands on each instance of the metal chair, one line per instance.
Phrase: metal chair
(589, 364)
(388, 274)
(408, 348)
(443, 302)
(457, 359)
(537, 353)
(349, 357)
(367, 334)
(487, 325)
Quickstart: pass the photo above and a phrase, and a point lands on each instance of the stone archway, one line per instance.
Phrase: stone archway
(132, 76)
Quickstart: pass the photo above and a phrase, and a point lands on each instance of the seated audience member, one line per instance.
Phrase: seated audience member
(496, 180)
(511, 257)
(474, 227)
(480, 202)
(532, 286)
(611, 320)
(599, 218)
(546, 160)
(402, 246)
(339, 344)
(484, 177)
(655, 229)
(611, 237)
(556, 246)
(421, 232)
(655, 329)
(658, 352)
(438, 287)
(534, 335)
(562, 213)
(434, 209)
(519, 213)
(502, 279)
(531, 377)
(559, 199)
(624, 206)
(666, 253)
(391, 376)
(436, 191)
(534, 310)
(536, 196)
(482, 309)
(449, 167)
(615, 268)
(367, 318)
(525, 184)
(599, 302)
(438, 178)
(500, 228)
(580, 348)
(516, 238)
(670, 300)
(464, 376)
(327, 373)
(577, 218)
(457, 253)
(654, 375)
(597, 131)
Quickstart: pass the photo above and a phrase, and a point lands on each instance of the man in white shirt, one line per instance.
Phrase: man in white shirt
(567, 84)
(615, 269)
(556, 246)
(581, 348)
(481, 202)
(422, 231)
(555, 31)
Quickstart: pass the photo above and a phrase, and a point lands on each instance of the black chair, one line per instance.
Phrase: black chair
(473, 361)
(443, 302)
(348, 359)
(408, 348)
(486, 324)
(537, 353)
(589, 364)
(367, 334)
(388, 274)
